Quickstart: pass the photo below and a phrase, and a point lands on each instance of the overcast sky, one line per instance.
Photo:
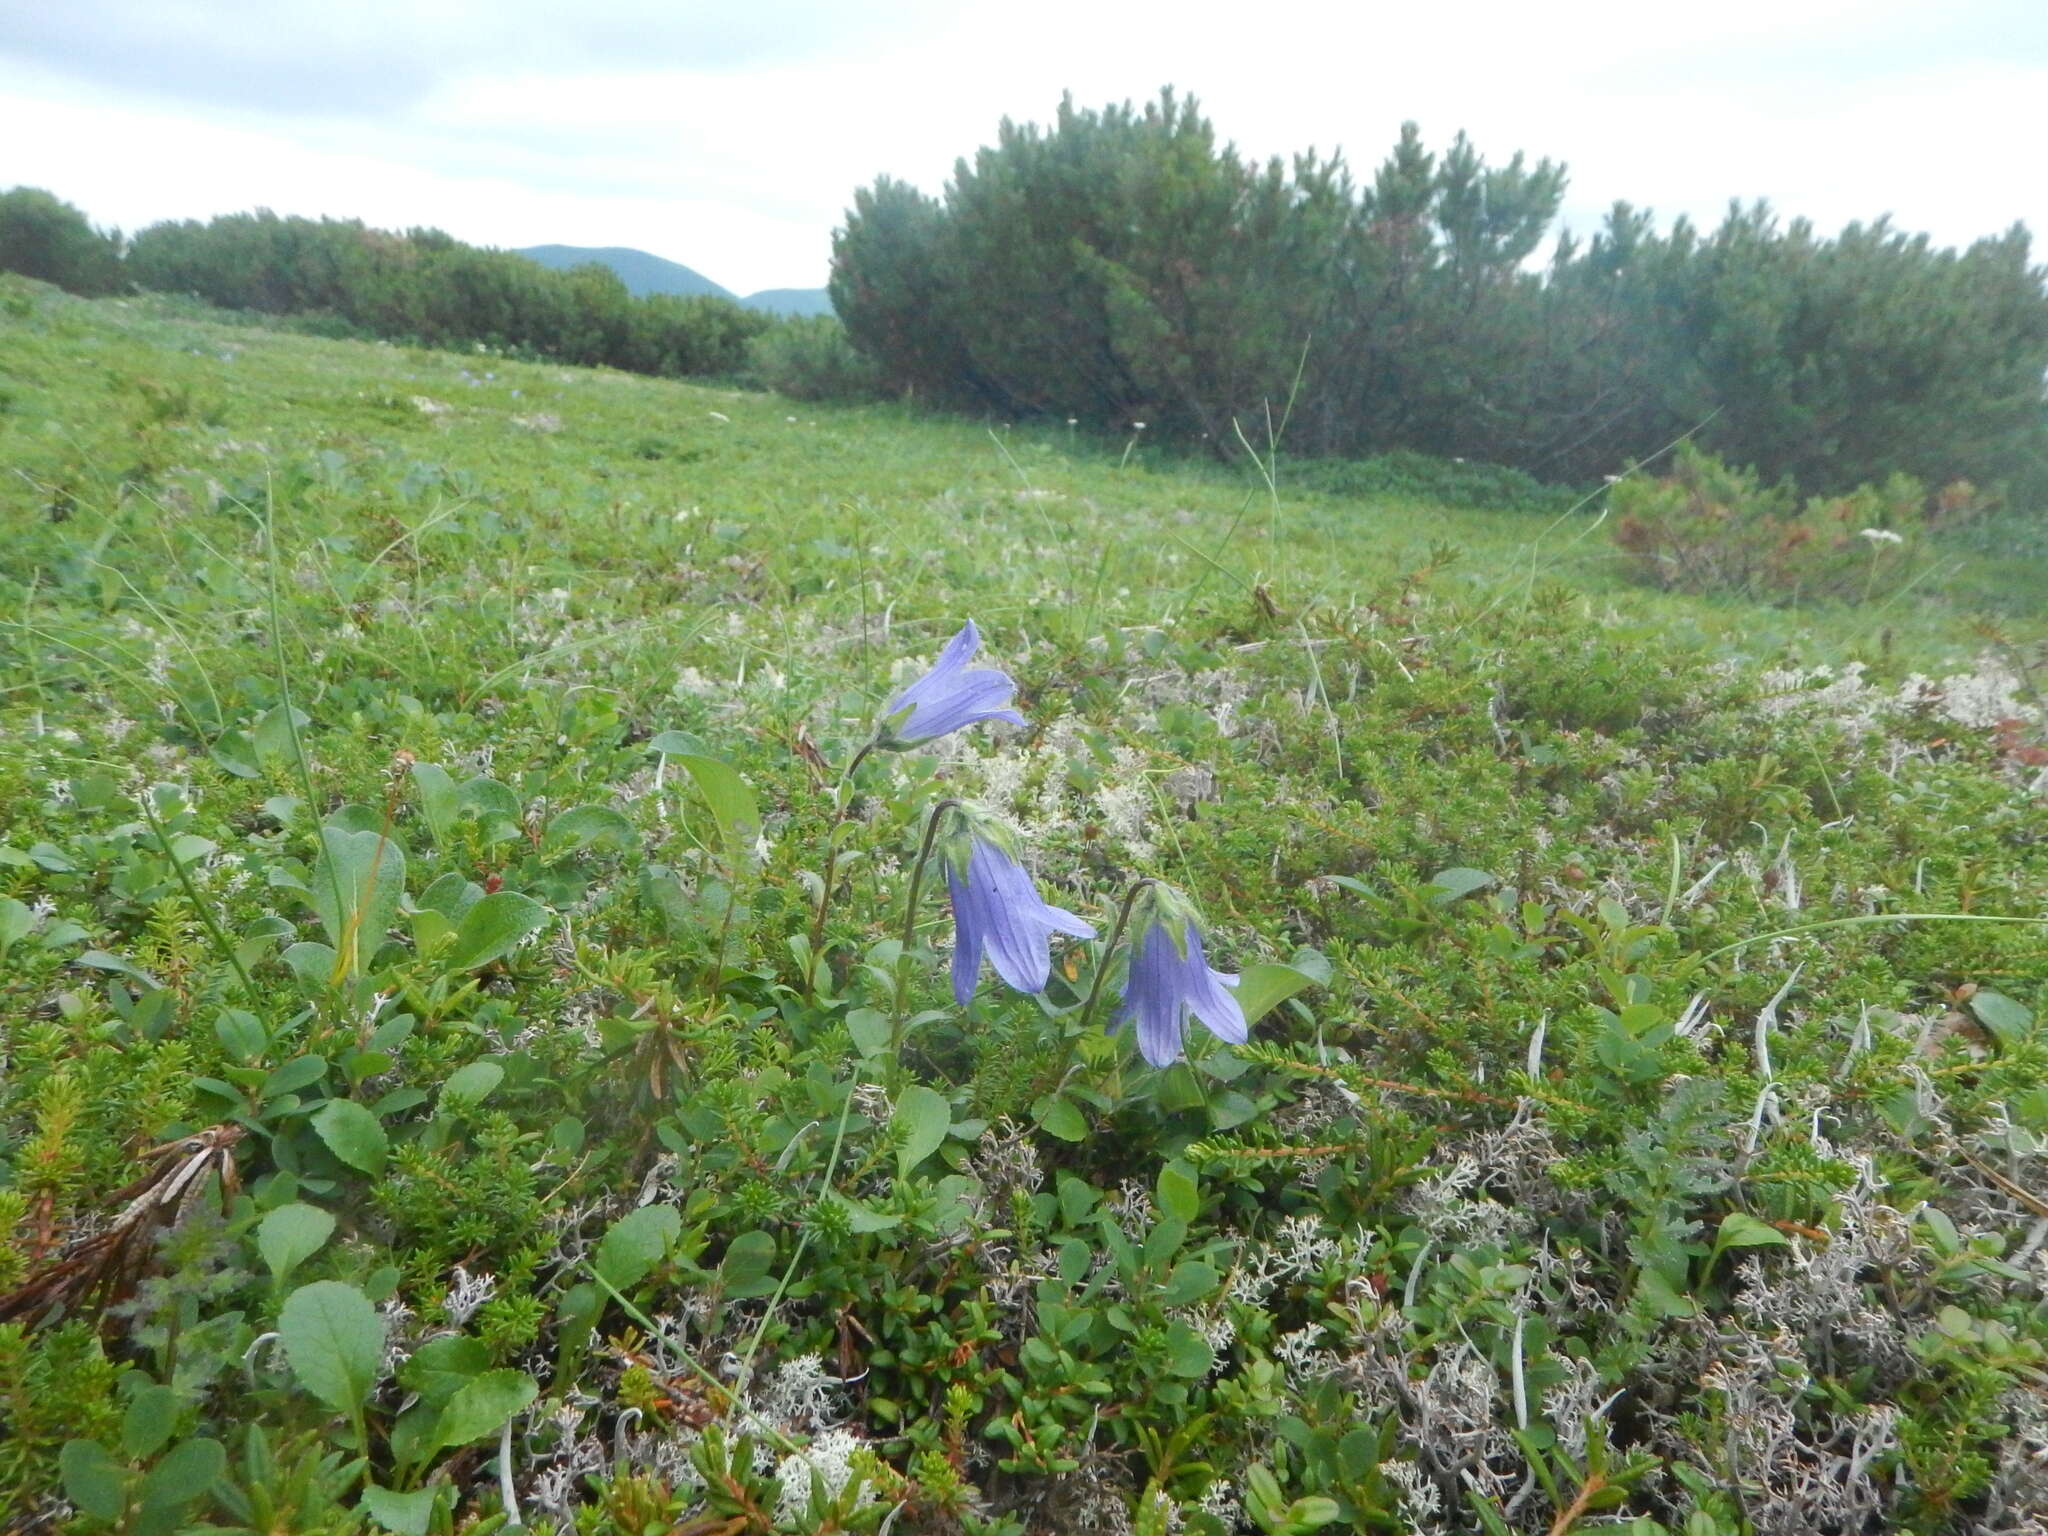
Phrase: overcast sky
(730, 136)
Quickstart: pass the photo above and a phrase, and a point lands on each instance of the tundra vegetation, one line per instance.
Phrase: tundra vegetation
(1500, 1014)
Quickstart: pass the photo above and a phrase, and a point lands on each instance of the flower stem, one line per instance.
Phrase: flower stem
(842, 802)
(924, 853)
(199, 905)
(1123, 918)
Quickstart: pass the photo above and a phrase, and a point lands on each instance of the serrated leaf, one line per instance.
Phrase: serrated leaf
(481, 1406)
(636, 1243)
(492, 927)
(920, 1121)
(292, 1234)
(352, 1134)
(334, 1341)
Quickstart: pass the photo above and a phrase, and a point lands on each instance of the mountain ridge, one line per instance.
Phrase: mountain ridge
(644, 273)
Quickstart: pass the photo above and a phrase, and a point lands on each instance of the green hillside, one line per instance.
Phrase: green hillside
(482, 1050)
(641, 273)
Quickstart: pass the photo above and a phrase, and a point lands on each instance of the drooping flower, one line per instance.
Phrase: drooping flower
(1169, 979)
(949, 696)
(997, 910)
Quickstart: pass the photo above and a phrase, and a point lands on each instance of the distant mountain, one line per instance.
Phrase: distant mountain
(791, 301)
(641, 273)
(644, 274)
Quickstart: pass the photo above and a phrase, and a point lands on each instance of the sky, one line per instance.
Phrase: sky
(731, 136)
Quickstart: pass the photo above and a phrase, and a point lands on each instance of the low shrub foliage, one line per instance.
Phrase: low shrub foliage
(1705, 526)
(1126, 264)
(562, 986)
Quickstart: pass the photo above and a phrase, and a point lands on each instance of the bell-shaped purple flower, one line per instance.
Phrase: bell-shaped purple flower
(997, 910)
(949, 696)
(1169, 979)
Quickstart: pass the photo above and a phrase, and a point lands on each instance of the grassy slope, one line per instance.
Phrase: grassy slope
(523, 571)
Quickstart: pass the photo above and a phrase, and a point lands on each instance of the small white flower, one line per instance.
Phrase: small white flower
(1137, 426)
(1881, 536)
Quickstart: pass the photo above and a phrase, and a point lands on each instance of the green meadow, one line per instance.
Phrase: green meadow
(479, 1050)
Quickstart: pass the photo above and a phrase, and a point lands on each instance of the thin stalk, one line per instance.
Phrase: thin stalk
(841, 802)
(1116, 933)
(679, 1349)
(284, 691)
(902, 1006)
(206, 917)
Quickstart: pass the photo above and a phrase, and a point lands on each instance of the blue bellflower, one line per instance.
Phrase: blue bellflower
(997, 910)
(949, 696)
(1169, 979)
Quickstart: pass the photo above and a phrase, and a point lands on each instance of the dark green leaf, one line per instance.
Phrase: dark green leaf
(352, 1134)
(636, 1243)
(492, 927)
(92, 1479)
(920, 1121)
(334, 1340)
(481, 1406)
(290, 1235)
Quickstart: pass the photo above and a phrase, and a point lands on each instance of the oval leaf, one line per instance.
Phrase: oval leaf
(493, 926)
(731, 802)
(355, 886)
(352, 1134)
(586, 826)
(1262, 988)
(480, 1407)
(921, 1120)
(402, 1514)
(636, 1243)
(472, 1084)
(292, 1234)
(335, 1342)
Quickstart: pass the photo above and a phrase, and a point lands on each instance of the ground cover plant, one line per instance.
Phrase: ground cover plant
(496, 865)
